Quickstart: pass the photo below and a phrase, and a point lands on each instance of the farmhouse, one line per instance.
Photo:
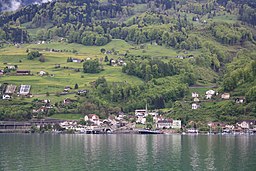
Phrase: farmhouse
(140, 112)
(176, 124)
(225, 96)
(42, 73)
(68, 101)
(196, 99)
(247, 124)
(195, 106)
(195, 94)
(10, 89)
(6, 97)
(11, 67)
(164, 124)
(23, 72)
(92, 118)
(240, 100)
(81, 92)
(76, 60)
(24, 90)
(209, 94)
(57, 66)
(41, 109)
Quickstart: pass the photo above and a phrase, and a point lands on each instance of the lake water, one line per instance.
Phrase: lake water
(51, 152)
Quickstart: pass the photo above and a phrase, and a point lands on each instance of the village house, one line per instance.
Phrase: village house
(247, 124)
(24, 90)
(209, 94)
(82, 92)
(11, 67)
(6, 97)
(141, 115)
(23, 72)
(10, 89)
(42, 73)
(67, 88)
(140, 112)
(195, 106)
(1, 72)
(164, 124)
(240, 100)
(57, 66)
(225, 96)
(196, 99)
(168, 124)
(76, 60)
(195, 94)
(39, 110)
(141, 119)
(118, 62)
(176, 124)
(108, 52)
(92, 118)
(68, 101)
(69, 125)
(180, 57)
(112, 120)
(217, 126)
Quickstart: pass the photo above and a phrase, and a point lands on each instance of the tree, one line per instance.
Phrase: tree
(76, 86)
(149, 119)
(106, 59)
(251, 94)
(92, 66)
(102, 50)
(33, 54)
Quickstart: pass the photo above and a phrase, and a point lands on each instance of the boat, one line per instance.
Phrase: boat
(145, 131)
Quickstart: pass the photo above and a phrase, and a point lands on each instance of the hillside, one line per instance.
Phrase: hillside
(146, 52)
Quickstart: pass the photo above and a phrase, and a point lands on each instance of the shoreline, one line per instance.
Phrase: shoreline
(128, 132)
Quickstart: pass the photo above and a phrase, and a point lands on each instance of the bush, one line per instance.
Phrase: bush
(92, 66)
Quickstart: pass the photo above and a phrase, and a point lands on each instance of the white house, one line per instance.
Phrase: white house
(92, 118)
(209, 94)
(240, 100)
(195, 94)
(24, 89)
(164, 124)
(6, 97)
(247, 124)
(195, 106)
(196, 99)
(42, 73)
(141, 119)
(11, 67)
(244, 125)
(140, 112)
(176, 124)
(225, 96)
(76, 60)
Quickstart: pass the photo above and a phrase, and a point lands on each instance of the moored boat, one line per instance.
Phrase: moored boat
(144, 131)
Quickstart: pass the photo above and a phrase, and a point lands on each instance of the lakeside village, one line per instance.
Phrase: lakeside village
(143, 121)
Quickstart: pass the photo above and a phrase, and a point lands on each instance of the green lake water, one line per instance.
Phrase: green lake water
(50, 152)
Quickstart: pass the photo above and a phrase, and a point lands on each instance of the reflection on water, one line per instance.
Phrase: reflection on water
(126, 152)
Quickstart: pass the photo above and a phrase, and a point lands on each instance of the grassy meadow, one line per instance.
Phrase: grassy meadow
(66, 75)
(67, 116)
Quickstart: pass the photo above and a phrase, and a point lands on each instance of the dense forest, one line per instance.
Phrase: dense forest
(216, 52)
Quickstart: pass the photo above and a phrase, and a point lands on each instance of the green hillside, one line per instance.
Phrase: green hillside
(162, 51)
